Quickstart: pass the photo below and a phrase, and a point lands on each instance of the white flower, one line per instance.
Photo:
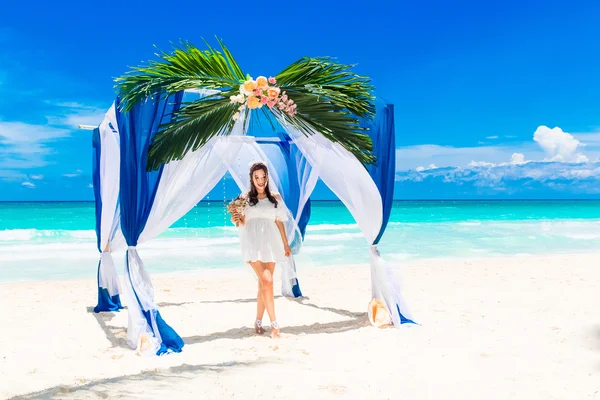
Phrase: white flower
(244, 91)
(236, 116)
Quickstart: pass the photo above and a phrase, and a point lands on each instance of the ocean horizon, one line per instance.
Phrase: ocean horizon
(57, 240)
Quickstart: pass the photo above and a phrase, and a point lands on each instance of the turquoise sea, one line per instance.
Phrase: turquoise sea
(57, 240)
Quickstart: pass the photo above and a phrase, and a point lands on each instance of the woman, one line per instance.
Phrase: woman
(263, 240)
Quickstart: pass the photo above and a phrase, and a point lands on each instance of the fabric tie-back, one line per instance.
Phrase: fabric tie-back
(146, 328)
(108, 286)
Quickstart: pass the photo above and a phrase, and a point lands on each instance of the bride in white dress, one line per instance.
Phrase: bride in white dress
(263, 241)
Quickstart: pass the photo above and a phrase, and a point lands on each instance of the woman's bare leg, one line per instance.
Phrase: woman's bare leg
(264, 272)
(260, 309)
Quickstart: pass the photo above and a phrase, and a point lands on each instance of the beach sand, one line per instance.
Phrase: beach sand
(524, 327)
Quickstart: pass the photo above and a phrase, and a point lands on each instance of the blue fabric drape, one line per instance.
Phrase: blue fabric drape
(292, 196)
(383, 135)
(138, 187)
(300, 168)
(106, 302)
(96, 153)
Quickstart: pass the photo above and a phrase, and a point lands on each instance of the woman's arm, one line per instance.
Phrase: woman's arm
(286, 246)
(281, 227)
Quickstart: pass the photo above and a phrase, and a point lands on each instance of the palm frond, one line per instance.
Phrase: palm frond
(191, 128)
(186, 68)
(330, 100)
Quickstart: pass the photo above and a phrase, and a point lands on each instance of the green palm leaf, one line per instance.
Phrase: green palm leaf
(330, 99)
(191, 128)
(186, 68)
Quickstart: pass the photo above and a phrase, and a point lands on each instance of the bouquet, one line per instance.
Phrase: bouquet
(256, 93)
(238, 205)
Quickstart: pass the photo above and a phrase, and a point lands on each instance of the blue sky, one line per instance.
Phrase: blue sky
(492, 100)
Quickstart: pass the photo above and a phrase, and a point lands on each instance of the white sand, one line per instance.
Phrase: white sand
(506, 328)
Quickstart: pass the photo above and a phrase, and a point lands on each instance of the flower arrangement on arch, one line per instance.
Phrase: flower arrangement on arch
(258, 93)
(313, 94)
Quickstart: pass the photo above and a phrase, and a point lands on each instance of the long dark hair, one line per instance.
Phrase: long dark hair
(253, 193)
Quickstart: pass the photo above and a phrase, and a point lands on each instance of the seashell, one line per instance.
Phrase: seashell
(379, 316)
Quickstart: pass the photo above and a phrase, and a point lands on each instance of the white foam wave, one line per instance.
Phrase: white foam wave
(398, 256)
(583, 236)
(330, 227)
(17, 235)
(333, 237)
(321, 249)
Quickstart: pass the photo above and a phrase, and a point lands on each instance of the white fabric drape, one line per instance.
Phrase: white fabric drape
(307, 178)
(186, 182)
(349, 180)
(182, 185)
(138, 330)
(111, 237)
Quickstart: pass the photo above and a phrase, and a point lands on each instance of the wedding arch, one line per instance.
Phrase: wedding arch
(139, 194)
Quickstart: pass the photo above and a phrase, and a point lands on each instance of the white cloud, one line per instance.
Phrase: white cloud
(559, 145)
(36, 177)
(517, 159)
(480, 164)
(491, 137)
(28, 185)
(445, 156)
(72, 114)
(513, 178)
(25, 145)
(74, 174)
(569, 147)
(431, 166)
(10, 175)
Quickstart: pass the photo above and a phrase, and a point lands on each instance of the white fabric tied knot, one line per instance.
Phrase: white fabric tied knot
(375, 250)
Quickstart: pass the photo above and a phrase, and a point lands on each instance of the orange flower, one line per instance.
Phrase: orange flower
(262, 82)
(273, 92)
(249, 86)
(253, 102)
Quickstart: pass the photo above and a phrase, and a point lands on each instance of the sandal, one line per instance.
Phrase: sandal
(275, 331)
(258, 328)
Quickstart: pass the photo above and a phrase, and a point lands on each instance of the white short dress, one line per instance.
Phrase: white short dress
(259, 236)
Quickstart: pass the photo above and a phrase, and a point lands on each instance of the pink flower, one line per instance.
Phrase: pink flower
(264, 99)
(284, 97)
(281, 106)
(270, 103)
(272, 80)
(258, 92)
